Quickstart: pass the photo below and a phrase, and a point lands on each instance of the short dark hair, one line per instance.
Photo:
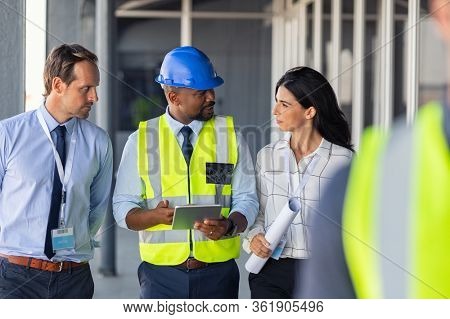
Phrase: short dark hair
(169, 88)
(61, 61)
(311, 88)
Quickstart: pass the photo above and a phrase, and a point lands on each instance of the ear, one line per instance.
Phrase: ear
(310, 112)
(172, 98)
(58, 85)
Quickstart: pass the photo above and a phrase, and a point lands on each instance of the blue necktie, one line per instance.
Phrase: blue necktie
(186, 148)
(56, 192)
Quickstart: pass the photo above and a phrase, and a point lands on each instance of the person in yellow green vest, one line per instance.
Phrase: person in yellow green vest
(386, 234)
(187, 156)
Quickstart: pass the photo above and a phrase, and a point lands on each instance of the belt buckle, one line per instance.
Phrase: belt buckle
(188, 262)
(60, 266)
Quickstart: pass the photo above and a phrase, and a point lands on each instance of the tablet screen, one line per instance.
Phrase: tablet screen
(184, 217)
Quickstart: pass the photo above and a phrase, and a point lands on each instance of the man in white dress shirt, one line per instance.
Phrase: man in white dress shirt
(55, 180)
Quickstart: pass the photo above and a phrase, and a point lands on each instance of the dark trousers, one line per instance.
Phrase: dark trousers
(216, 281)
(277, 279)
(17, 282)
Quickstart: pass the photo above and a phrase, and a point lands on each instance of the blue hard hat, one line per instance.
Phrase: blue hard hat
(188, 67)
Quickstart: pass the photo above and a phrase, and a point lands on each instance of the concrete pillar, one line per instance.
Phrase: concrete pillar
(104, 20)
(89, 22)
(12, 57)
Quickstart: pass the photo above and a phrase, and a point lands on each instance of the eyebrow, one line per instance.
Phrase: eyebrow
(87, 84)
(283, 101)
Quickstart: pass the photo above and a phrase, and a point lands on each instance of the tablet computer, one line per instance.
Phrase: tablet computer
(185, 216)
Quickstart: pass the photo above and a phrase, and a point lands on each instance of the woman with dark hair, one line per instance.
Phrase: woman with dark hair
(299, 165)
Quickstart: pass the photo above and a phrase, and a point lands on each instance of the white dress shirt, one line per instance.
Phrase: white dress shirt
(27, 164)
(274, 181)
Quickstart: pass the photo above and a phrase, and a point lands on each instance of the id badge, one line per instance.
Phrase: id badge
(62, 238)
(219, 173)
(279, 249)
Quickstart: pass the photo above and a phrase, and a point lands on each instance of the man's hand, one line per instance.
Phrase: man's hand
(162, 213)
(260, 246)
(213, 228)
(140, 219)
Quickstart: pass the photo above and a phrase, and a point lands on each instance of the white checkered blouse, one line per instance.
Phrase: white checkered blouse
(272, 187)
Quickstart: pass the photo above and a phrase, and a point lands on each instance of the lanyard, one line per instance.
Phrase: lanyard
(308, 172)
(63, 175)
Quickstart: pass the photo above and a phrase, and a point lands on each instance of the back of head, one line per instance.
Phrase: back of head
(61, 61)
(311, 88)
(188, 67)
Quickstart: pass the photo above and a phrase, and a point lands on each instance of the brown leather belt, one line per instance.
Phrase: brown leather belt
(42, 264)
(192, 263)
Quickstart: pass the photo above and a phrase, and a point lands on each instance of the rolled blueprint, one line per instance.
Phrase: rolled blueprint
(276, 231)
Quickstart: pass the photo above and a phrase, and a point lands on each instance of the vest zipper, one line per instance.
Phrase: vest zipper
(189, 202)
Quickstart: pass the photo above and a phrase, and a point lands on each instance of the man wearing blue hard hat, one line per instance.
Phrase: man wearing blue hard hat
(187, 156)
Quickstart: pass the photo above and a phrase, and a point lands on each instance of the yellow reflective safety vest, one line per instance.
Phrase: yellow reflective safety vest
(396, 223)
(166, 176)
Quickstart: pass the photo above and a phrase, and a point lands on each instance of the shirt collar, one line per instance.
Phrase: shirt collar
(284, 141)
(52, 123)
(324, 149)
(176, 126)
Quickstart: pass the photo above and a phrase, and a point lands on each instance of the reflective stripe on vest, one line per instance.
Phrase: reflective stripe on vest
(163, 172)
(396, 217)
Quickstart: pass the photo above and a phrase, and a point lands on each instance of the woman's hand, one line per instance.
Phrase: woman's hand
(260, 246)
